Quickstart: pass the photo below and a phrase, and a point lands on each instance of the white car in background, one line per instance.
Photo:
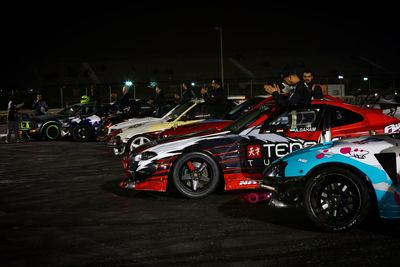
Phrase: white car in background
(133, 133)
(128, 135)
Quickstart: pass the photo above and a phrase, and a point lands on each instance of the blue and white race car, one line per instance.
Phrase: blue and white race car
(82, 128)
(341, 182)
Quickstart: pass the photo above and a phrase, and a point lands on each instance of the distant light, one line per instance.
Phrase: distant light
(128, 83)
(395, 93)
(376, 94)
(365, 78)
(193, 84)
(340, 77)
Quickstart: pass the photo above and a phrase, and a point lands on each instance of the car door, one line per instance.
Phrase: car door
(196, 114)
(282, 134)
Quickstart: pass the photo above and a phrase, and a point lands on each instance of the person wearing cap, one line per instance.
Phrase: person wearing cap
(308, 78)
(300, 95)
(187, 92)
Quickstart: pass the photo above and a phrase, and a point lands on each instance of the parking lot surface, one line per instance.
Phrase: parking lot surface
(60, 206)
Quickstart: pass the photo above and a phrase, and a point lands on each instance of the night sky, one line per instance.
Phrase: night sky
(260, 35)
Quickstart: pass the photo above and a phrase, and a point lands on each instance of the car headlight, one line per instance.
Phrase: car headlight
(144, 156)
(276, 169)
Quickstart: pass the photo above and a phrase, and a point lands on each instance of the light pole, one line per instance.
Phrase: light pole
(222, 54)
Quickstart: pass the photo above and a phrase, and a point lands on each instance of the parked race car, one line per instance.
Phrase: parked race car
(237, 156)
(132, 135)
(82, 128)
(212, 125)
(340, 183)
(49, 126)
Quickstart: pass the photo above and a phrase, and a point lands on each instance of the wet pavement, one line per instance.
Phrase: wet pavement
(60, 206)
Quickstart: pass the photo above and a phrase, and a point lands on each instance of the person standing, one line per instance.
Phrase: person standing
(123, 102)
(308, 78)
(187, 92)
(39, 105)
(159, 101)
(300, 95)
(12, 121)
(216, 99)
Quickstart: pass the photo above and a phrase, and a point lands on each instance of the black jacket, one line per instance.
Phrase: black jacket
(316, 90)
(217, 102)
(300, 96)
(187, 95)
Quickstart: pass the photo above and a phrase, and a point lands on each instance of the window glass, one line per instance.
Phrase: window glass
(295, 119)
(340, 116)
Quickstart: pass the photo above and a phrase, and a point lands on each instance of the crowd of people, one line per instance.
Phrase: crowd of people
(295, 89)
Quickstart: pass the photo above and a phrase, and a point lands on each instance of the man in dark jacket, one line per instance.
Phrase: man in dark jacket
(216, 99)
(159, 102)
(187, 92)
(123, 102)
(299, 96)
(39, 105)
(308, 78)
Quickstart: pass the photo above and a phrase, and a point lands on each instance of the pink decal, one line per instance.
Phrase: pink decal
(345, 150)
(320, 156)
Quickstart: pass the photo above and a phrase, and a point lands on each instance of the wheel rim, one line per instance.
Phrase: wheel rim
(138, 141)
(335, 200)
(52, 132)
(196, 175)
(82, 133)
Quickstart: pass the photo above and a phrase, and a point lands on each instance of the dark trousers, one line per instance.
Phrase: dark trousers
(12, 128)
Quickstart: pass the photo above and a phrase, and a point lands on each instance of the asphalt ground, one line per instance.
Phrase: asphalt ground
(60, 206)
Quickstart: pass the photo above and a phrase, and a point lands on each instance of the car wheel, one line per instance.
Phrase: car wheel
(82, 133)
(195, 175)
(138, 141)
(52, 132)
(336, 199)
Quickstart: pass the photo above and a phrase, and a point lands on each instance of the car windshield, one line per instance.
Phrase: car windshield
(239, 124)
(240, 109)
(70, 111)
(178, 111)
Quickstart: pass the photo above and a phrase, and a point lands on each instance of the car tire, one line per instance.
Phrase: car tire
(52, 132)
(336, 199)
(195, 175)
(136, 141)
(82, 133)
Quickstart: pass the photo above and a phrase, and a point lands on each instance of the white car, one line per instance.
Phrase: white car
(131, 135)
(134, 121)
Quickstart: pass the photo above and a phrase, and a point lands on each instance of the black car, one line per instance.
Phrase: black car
(49, 126)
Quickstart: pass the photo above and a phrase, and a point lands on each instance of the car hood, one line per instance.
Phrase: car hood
(134, 121)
